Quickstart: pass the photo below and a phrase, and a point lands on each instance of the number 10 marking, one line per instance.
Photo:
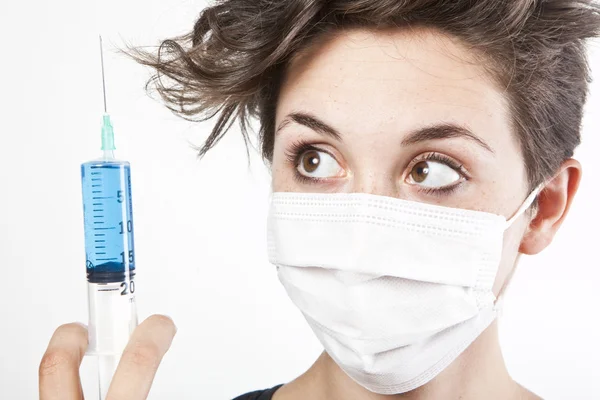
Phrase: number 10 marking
(129, 227)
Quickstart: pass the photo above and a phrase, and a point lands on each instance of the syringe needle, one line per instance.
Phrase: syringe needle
(102, 63)
(108, 138)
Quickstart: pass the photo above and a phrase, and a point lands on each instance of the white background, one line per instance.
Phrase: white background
(200, 226)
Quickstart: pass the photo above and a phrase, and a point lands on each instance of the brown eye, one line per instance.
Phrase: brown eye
(319, 164)
(311, 161)
(419, 172)
(433, 174)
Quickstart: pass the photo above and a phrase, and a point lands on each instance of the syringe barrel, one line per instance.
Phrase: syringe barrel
(108, 221)
(110, 257)
(112, 317)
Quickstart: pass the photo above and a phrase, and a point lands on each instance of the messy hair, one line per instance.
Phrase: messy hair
(232, 63)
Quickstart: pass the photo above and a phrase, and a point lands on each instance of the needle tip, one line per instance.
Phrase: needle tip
(102, 65)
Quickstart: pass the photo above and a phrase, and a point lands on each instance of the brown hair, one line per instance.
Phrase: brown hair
(233, 61)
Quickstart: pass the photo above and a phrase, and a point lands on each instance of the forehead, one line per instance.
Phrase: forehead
(395, 81)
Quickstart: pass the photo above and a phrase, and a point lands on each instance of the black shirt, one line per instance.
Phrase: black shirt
(259, 394)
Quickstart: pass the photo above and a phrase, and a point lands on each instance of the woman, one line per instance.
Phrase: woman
(416, 147)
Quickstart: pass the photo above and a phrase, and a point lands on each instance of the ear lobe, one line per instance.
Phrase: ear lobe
(554, 202)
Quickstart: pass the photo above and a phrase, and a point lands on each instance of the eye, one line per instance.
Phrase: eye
(433, 174)
(318, 164)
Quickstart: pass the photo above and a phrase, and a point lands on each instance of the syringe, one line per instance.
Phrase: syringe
(110, 258)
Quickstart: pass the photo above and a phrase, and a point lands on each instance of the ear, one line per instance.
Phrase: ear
(554, 202)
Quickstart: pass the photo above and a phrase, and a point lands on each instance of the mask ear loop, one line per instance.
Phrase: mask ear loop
(499, 303)
(526, 204)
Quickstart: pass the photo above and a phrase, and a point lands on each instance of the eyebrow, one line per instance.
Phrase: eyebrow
(444, 131)
(434, 132)
(310, 121)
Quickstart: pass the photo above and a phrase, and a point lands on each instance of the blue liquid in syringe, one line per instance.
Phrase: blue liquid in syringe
(108, 221)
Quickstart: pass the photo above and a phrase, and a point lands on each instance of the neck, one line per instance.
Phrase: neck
(478, 373)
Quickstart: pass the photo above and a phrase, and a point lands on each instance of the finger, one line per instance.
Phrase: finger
(139, 362)
(59, 368)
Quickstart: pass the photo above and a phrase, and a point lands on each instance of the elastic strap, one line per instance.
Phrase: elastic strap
(528, 202)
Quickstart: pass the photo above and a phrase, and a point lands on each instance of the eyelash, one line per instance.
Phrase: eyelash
(446, 190)
(294, 155)
(298, 148)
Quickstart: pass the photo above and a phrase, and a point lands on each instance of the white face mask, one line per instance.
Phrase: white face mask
(395, 290)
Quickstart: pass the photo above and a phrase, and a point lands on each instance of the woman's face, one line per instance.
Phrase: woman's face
(406, 114)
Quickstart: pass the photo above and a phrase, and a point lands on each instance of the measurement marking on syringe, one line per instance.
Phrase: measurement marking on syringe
(108, 290)
(99, 247)
(96, 191)
(96, 173)
(96, 179)
(98, 209)
(103, 229)
(96, 185)
(96, 204)
(106, 259)
(99, 241)
(99, 234)
(98, 222)
(100, 198)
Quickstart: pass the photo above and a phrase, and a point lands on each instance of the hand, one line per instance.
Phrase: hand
(59, 369)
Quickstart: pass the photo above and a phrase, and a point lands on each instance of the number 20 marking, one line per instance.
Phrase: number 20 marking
(125, 286)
